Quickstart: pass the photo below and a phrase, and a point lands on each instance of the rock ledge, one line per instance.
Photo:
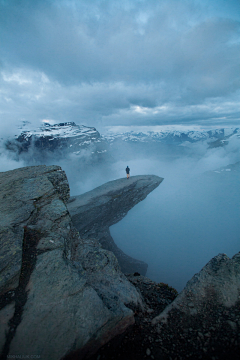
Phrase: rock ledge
(95, 211)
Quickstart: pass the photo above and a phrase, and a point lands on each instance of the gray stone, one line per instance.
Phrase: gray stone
(232, 324)
(5, 315)
(148, 352)
(95, 211)
(10, 257)
(214, 293)
(104, 275)
(21, 198)
(60, 312)
(71, 294)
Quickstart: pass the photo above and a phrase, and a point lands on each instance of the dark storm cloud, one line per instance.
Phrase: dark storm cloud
(111, 61)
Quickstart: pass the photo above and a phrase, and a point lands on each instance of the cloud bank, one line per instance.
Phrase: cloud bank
(109, 63)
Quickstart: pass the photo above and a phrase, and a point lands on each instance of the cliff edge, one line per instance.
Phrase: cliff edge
(95, 211)
(59, 293)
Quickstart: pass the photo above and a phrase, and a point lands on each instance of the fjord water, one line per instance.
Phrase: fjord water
(190, 218)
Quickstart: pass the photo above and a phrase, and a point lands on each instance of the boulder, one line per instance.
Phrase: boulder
(204, 320)
(60, 294)
(95, 211)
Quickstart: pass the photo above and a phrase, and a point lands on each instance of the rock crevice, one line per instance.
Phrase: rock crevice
(18, 296)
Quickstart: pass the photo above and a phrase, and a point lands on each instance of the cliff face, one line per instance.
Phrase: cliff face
(95, 211)
(58, 292)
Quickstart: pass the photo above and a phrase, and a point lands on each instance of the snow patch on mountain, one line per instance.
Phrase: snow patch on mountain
(59, 140)
(62, 130)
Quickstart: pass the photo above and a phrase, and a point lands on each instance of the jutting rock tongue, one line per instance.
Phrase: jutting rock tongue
(95, 211)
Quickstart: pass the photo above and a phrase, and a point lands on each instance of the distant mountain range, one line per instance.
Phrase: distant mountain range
(175, 135)
(226, 170)
(71, 138)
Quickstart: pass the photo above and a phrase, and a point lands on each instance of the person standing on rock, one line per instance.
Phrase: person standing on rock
(128, 172)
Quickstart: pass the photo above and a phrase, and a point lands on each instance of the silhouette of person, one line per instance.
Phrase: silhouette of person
(128, 172)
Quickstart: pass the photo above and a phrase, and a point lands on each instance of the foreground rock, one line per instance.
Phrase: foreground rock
(204, 320)
(140, 339)
(59, 294)
(95, 211)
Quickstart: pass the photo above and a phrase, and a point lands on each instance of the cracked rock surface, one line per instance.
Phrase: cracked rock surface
(59, 294)
(95, 211)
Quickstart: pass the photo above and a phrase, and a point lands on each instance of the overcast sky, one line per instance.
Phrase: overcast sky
(119, 62)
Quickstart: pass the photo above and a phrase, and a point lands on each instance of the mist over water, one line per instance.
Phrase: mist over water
(181, 226)
(191, 217)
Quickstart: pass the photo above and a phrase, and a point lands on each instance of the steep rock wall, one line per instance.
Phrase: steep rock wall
(58, 293)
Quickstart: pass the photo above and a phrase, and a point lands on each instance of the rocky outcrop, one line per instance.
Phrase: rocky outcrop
(95, 211)
(64, 296)
(59, 294)
(204, 320)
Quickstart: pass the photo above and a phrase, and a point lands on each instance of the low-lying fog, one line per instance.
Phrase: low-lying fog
(191, 217)
(182, 224)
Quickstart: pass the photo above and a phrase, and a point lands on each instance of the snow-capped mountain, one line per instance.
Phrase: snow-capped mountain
(178, 135)
(64, 137)
(59, 136)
